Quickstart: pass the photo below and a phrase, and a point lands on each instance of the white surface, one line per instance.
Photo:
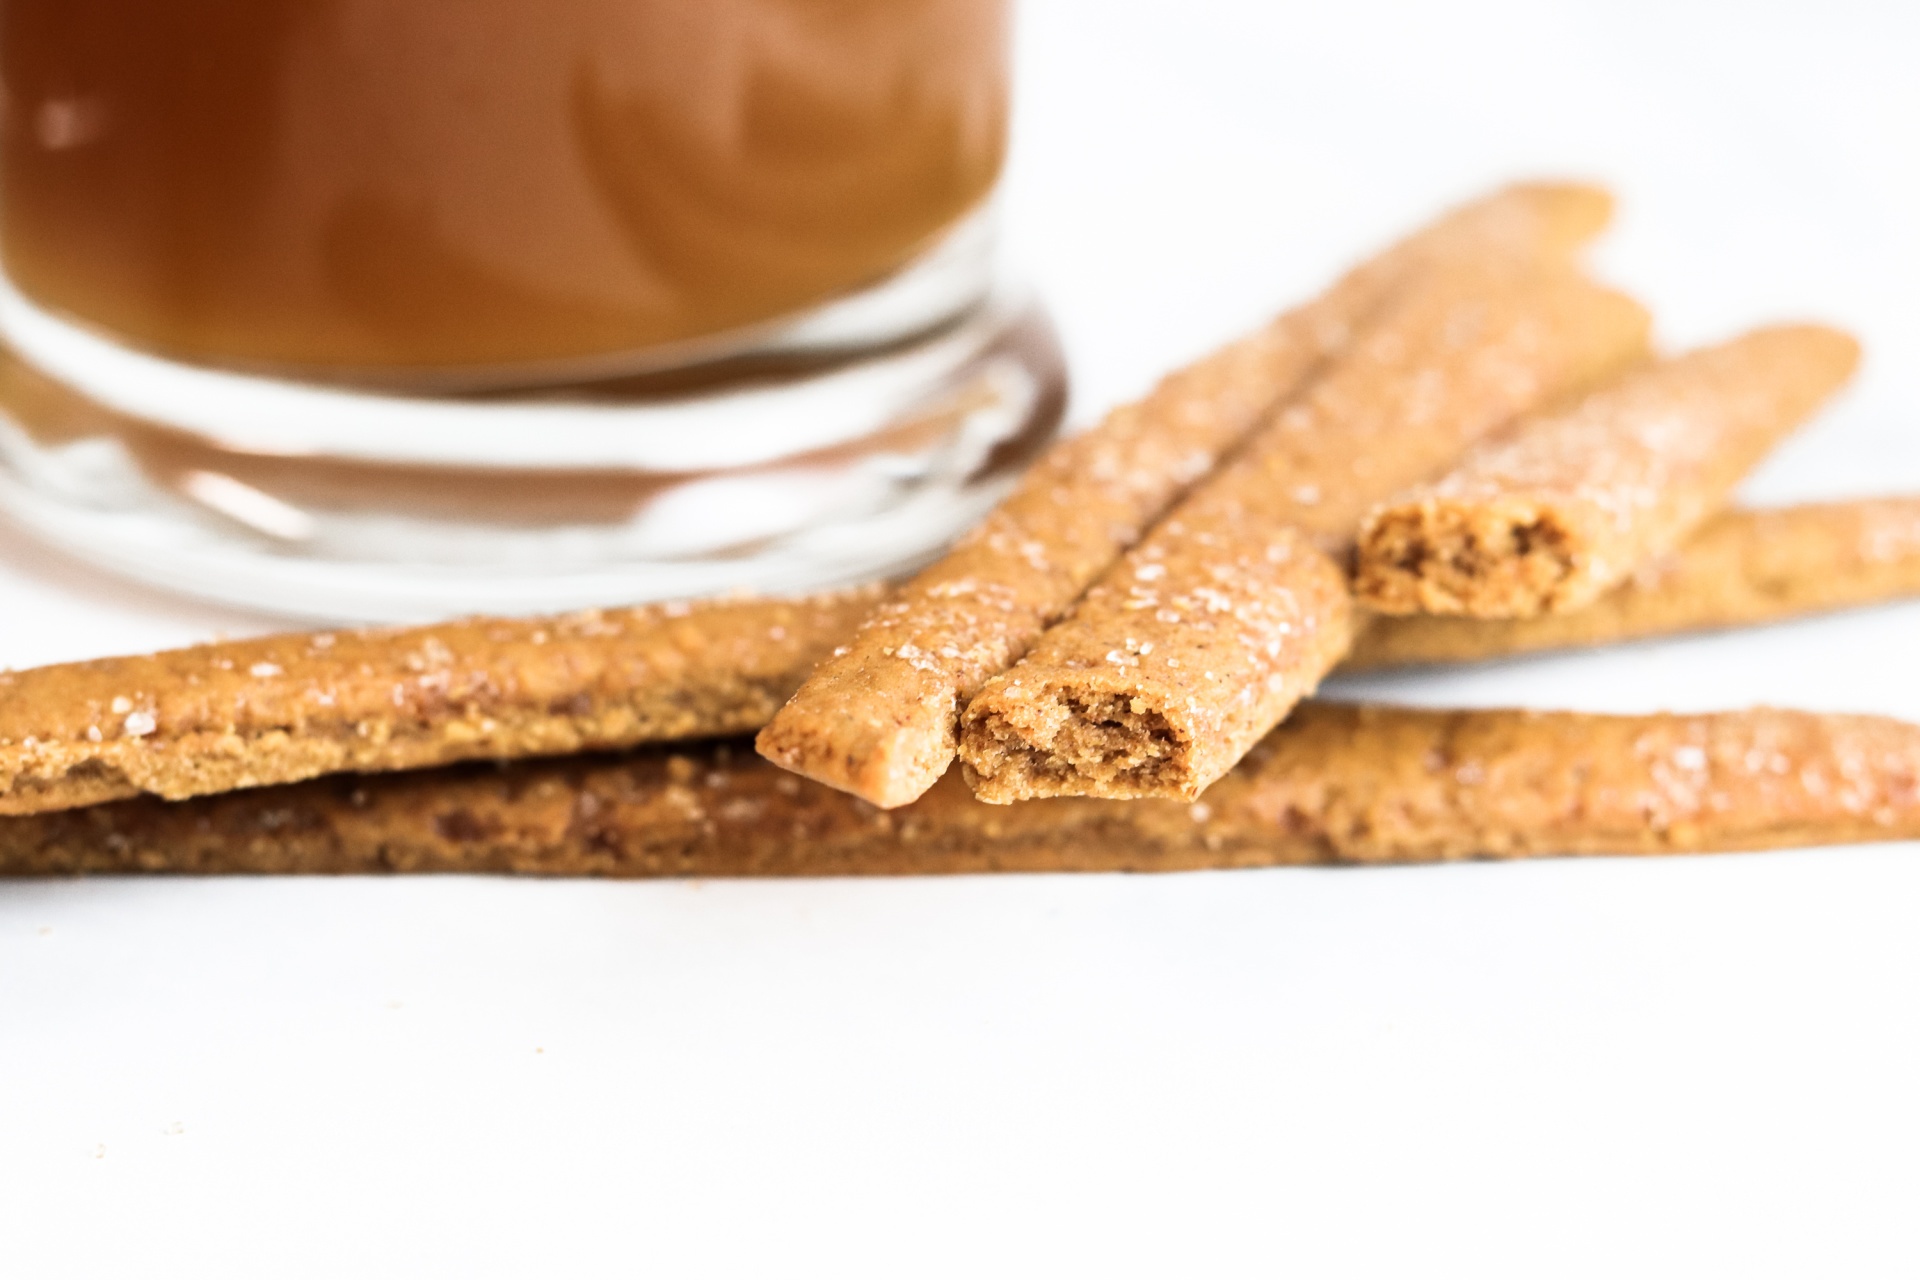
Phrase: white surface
(1686, 1067)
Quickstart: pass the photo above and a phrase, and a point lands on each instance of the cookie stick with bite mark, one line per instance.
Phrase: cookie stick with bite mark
(879, 717)
(1334, 784)
(1741, 568)
(1548, 516)
(1205, 635)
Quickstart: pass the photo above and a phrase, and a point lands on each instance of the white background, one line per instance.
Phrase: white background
(1685, 1067)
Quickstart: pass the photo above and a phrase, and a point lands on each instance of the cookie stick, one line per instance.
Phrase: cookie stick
(249, 713)
(879, 719)
(225, 714)
(1205, 635)
(1741, 568)
(1384, 785)
(1334, 784)
(1547, 517)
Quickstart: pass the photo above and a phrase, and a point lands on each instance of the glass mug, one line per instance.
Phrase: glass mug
(400, 308)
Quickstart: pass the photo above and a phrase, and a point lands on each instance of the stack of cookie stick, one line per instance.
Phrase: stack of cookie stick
(254, 714)
(879, 717)
(1206, 635)
(251, 713)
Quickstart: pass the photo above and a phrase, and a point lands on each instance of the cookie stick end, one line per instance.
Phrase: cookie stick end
(1550, 516)
(1576, 212)
(887, 762)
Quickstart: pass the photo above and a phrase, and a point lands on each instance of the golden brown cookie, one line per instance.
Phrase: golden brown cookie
(1335, 784)
(1205, 635)
(245, 714)
(1549, 515)
(879, 719)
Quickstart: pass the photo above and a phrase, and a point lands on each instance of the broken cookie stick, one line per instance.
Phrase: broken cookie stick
(1335, 784)
(879, 717)
(1205, 635)
(1740, 569)
(1551, 514)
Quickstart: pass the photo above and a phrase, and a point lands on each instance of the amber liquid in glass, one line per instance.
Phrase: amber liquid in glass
(383, 185)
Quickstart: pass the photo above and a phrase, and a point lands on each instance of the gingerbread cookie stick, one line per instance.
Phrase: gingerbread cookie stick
(1205, 635)
(1335, 784)
(1381, 785)
(879, 719)
(245, 714)
(1547, 517)
(1740, 569)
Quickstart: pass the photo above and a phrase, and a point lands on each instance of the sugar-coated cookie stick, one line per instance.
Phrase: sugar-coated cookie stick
(248, 713)
(1390, 785)
(1741, 568)
(879, 718)
(1205, 635)
(1335, 784)
(1551, 514)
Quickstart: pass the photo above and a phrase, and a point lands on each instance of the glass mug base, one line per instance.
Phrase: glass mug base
(851, 443)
